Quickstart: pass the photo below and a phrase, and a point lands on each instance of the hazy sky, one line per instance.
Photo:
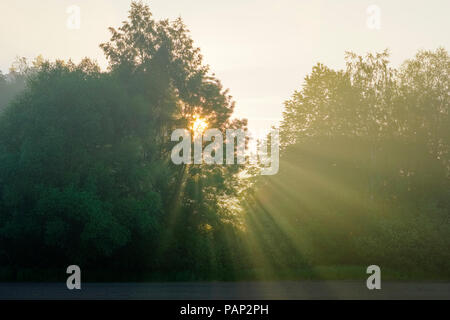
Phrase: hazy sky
(260, 50)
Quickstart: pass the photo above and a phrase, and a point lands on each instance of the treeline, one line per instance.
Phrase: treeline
(86, 176)
(85, 171)
(364, 170)
(13, 83)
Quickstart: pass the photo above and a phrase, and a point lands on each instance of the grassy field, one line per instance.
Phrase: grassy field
(326, 273)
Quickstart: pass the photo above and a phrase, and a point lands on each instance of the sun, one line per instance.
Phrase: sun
(198, 125)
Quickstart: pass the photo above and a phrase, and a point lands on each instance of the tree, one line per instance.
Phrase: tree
(364, 172)
(161, 55)
(14, 82)
(85, 170)
(72, 175)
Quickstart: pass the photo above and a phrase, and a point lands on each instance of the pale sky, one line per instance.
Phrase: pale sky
(261, 50)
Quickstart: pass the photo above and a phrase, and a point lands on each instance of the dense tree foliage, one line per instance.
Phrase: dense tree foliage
(364, 171)
(13, 83)
(85, 170)
(86, 175)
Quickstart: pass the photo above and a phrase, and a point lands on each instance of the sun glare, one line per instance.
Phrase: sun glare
(198, 125)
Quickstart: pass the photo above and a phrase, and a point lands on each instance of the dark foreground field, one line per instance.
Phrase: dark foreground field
(229, 290)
